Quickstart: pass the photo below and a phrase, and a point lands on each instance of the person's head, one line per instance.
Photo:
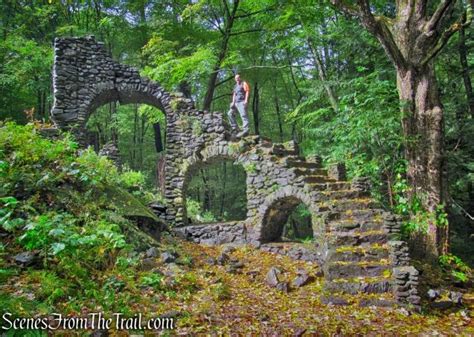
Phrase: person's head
(237, 78)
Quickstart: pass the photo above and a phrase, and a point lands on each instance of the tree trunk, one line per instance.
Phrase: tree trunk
(422, 124)
(158, 141)
(278, 113)
(465, 70)
(206, 193)
(255, 109)
(323, 77)
(224, 189)
(211, 84)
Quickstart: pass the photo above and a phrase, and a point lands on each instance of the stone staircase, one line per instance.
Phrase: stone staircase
(363, 251)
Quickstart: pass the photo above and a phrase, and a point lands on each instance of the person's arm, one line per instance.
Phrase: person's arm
(233, 99)
(247, 92)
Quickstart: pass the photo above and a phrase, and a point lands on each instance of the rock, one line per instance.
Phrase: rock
(252, 274)
(210, 261)
(152, 252)
(333, 300)
(299, 332)
(237, 264)
(148, 263)
(222, 259)
(168, 257)
(272, 277)
(319, 273)
(233, 269)
(301, 280)
(170, 314)
(283, 287)
(368, 302)
(228, 249)
(442, 305)
(171, 270)
(433, 294)
(455, 297)
(27, 259)
(404, 311)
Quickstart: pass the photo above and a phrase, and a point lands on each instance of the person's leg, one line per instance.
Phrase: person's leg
(245, 119)
(232, 121)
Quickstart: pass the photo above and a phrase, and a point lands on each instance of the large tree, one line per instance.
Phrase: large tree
(412, 38)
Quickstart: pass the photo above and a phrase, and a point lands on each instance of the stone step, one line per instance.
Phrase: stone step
(302, 164)
(345, 194)
(281, 151)
(354, 204)
(314, 178)
(356, 226)
(350, 270)
(353, 287)
(330, 186)
(336, 239)
(361, 214)
(371, 254)
(311, 171)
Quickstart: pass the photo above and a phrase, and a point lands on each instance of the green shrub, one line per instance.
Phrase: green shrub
(454, 266)
(193, 209)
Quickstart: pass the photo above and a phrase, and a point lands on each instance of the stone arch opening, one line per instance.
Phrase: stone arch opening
(215, 191)
(133, 135)
(128, 94)
(276, 217)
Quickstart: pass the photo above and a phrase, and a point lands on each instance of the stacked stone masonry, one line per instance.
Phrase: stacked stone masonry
(356, 240)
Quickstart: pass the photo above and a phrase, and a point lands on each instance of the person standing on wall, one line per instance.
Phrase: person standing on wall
(240, 98)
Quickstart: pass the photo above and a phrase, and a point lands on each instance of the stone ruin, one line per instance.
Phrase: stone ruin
(356, 241)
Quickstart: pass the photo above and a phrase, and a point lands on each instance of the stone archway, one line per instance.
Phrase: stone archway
(276, 209)
(276, 217)
(206, 156)
(86, 77)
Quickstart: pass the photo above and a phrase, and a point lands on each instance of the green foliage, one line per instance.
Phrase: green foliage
(59, 206)
(151, 279)
(52, 287)
(299, 225)
(412, 207)
(453, 265)
(133, 181)
(250, 167)
(364, 132)
(196, 214)
(7, 221)
(217, 192)
(221, 291)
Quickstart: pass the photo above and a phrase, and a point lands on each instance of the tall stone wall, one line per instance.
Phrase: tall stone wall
(354, 236)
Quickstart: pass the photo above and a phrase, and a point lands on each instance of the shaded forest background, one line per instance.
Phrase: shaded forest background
(316, 76)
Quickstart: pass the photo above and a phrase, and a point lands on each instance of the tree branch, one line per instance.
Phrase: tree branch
(226, 7)
(377, 26)
(464, 21)
(246, 15)
(224, 81)
(246, 31)
(440, 13)
(346, 8)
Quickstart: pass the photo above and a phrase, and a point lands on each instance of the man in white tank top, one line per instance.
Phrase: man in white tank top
(240, 98)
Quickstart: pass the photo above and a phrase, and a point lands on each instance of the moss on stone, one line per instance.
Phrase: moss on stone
(127, 205)
(250, 167)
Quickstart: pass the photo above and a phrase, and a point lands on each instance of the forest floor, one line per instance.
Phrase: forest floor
(244, 303)
(208, 298)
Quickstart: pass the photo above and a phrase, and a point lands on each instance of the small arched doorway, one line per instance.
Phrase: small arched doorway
(291, 227)
(287, 219)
